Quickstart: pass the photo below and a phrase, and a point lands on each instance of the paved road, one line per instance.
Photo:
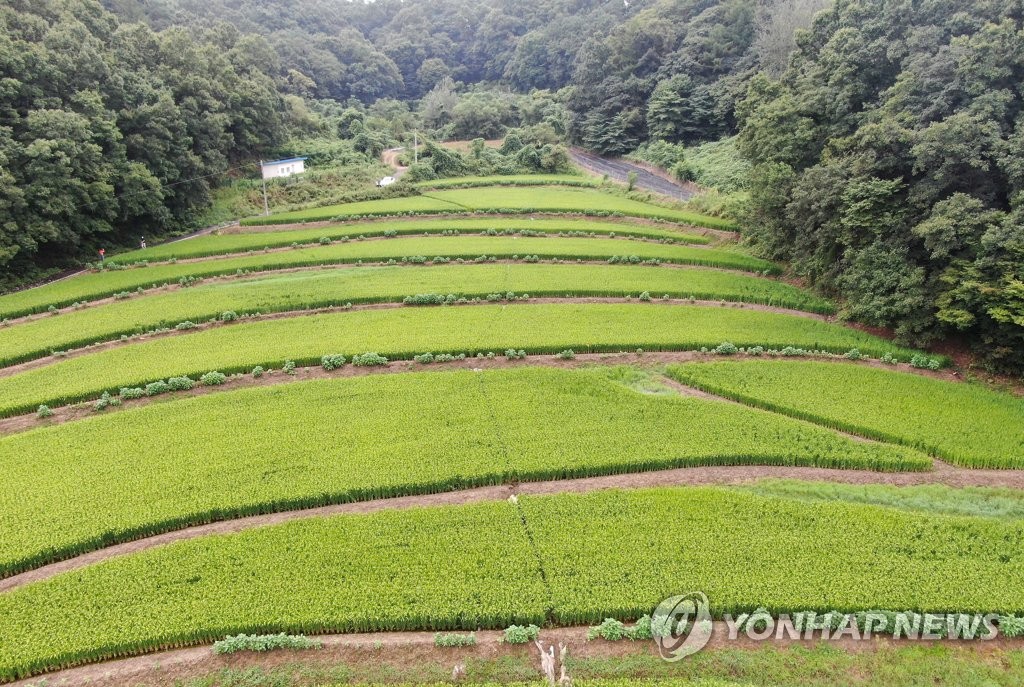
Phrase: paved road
(619, 170)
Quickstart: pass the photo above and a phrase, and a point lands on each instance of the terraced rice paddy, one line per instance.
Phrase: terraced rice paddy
(79, 486)
(96, 285)
(474, 566)
(406, 332)
(964, 423)
(242, 241)
(372, 438)
(543, 199)
(336, 287)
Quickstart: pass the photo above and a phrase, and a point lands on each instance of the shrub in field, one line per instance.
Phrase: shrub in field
(157, 388)
(567, 354)
(923, 362)
(853, 354)
(132, 393)
(429, 299)
(258, 372)
(513, 354)
(288, 367)
(611, 630)
(333, 362)
(259, 643)
(44, 411)
(213, 379)
(106, 401)
(424, 359)
(369, 360)
(1010, 626)
(645, 296)
(182, 326)
(228, 316)
(726, 348)
(180, 383)
(520, 634)
(324, 241)
(454, 639)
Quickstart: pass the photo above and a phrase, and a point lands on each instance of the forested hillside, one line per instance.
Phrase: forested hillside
(668, 69)
(889, 166)
(109, 131)
(880, 146)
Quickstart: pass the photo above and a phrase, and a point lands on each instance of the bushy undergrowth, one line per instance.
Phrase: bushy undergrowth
(454, 639)
(520, 634)
(261, 643)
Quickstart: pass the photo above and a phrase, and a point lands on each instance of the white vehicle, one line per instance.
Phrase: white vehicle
(386, 181)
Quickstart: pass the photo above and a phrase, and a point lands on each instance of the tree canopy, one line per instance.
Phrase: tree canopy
(889, 166)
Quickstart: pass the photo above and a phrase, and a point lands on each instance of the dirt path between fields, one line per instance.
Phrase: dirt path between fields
(36, 363)
(405, 652)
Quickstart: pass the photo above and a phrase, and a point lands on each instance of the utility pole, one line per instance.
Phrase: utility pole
(416, 146)
(266, 204)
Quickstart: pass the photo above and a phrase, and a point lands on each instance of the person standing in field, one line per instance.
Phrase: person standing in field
(142, 243)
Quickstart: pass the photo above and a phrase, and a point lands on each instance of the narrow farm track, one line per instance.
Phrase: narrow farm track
(78, 411)
(12, 370)
(404, 648)
(181, 666)
(943, 474)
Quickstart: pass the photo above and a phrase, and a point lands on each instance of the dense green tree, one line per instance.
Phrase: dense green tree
(888, 166)
(107, 131)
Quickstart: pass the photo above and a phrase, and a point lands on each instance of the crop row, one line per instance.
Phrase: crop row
(402, 333)
(240, 242)
(604, 554)
(502, 200)
(371, 437)
(319, 289)
(102, 284)
(966, 424)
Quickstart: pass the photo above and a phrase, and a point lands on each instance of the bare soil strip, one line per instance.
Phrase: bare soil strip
(408, 650)
(62, 414)
(12, 370)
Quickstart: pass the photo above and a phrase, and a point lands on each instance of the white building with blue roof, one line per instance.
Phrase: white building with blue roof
(280, 169)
